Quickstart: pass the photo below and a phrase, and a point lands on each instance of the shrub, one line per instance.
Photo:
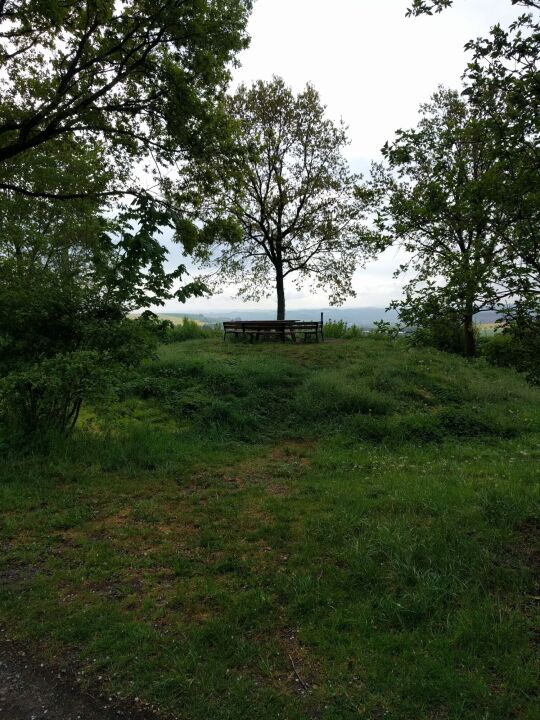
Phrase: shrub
(518, 345)
(190, 330)
(498, 349)
(385, 329)
(341, 330)
(443, 333)
(47, 396)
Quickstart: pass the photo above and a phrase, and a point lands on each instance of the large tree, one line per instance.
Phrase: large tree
(143, 78)
(293, 208)
(436, 191)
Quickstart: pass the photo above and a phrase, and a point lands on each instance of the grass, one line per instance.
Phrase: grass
(334, 531)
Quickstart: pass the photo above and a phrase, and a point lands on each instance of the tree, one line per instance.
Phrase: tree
(436, 192)
(69, 276)
(142, 78)
(292, 209)
(503, 88)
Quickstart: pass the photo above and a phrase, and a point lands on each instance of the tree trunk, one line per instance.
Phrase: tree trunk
(470, 336)
(280, 290)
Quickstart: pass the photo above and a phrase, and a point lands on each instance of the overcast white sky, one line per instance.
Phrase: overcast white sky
(372, 67)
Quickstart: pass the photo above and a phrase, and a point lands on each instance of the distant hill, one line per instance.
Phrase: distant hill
(362, 316)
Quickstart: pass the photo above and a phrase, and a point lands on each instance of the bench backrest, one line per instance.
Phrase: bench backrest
(259, 324)
(272, 325)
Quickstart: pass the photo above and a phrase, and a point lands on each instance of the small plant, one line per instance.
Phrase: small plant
(385, 329)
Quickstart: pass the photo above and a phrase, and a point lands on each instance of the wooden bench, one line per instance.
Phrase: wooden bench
(310, 329)
(272, 329)
(234, 327)
(255, 329)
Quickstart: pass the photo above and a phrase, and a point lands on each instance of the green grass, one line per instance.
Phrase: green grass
(333, 531)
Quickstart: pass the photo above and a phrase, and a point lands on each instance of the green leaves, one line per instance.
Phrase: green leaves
(285, 204)
(69, 275)
(143, 79)
(429, 7)
(439, 192)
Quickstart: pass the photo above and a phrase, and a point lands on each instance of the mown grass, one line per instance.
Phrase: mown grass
(327, 531)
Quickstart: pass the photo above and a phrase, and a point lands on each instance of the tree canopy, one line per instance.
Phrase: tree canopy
(142, 78)
(437, 194)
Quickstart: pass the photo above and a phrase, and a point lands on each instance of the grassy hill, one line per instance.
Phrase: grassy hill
(334, 531)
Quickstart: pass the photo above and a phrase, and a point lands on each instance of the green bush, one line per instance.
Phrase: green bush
(518, 344)
(445, 333)
(47, 396)
(190, 330)
(499, 349)
(341, 330)
(385, 329)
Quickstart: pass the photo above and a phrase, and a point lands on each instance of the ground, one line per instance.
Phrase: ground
(31, 691)
(332, 531)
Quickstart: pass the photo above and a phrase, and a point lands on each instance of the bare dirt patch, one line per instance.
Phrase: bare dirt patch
(31, 691)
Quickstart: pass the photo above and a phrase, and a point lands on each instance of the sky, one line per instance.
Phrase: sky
(373, 67)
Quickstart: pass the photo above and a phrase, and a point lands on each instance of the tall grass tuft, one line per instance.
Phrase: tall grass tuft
(190, 330)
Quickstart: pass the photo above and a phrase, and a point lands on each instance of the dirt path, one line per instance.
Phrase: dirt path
(30, 691)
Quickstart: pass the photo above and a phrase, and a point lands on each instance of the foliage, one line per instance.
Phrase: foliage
(517, 344)
(435, 325)
(48, 395)
(428, 7)
(502, 85)
(383, 328)
(503, 95)
(144, 79)
(342, 490)
(341, 329)
(190, 330)
(435, 196)
(69, 276)
(292, 209)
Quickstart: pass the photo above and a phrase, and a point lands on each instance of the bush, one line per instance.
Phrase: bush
(47, 396)
(340, 329)
(518, 345)
(499, 349)
(385, 329)
(190, 330)
(444, 333)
